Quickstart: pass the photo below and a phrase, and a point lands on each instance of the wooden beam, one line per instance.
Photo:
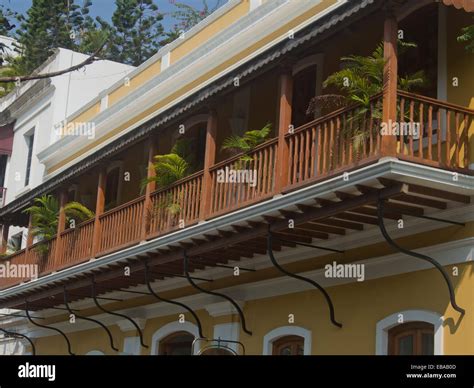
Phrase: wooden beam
(209, 161)
(285, 97)
(390, 82)
(429, 191)
(150, 187)
(99, 209)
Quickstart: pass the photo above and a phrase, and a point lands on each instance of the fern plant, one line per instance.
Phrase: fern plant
(361, 78)
(247, 142)
(467, 37)
(45, 217)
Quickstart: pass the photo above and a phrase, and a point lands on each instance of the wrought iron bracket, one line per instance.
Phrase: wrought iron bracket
(161, 299)
(94, 296)
(228, 298)
(438, 266)
(302, 278)
(21, 336)
(109, 334)
(49, 328)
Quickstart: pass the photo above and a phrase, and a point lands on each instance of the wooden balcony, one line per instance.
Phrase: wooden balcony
(328, 146)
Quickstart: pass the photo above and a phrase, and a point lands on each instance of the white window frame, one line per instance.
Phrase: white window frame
(284, 331)
(384, 325)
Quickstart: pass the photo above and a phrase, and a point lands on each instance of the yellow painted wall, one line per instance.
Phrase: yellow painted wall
(210, 31)
(460, 65)
(359, 306)
(133, 83)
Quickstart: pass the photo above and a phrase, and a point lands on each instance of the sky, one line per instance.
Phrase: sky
(105, 8)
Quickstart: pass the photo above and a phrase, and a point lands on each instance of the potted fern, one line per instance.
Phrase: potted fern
(45, 218)
(356, 83)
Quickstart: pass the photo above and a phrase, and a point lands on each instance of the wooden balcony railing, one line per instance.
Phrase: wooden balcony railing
(343, 140)
(443, 128)
(76, 244)
(121, 226)
(176, 206)
(333, 143)
(239, 181)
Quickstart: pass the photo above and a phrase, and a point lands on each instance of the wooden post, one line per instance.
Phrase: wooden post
(99, 209)
(5, 230)
(209, 161)
(29, 237)
(150, 187)
(390, 80)
(284, 122)
(61, 224)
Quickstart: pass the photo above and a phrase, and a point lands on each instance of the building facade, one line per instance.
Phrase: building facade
(338, 234)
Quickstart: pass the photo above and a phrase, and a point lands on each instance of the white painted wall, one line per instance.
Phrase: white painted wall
(67, 94)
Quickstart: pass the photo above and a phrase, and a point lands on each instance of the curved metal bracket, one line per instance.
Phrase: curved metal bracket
(13, 334)
(302, 278)
(152, 292)
(438, 266)
(228, 298)
(49, 327)
(109, 334)
(94, 296)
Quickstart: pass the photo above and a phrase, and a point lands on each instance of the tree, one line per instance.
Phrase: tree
(49, 24)
(186, 17)
(136, 31)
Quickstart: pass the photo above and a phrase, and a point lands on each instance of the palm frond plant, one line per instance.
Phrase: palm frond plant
(170, 168)
(467, 37)
(45, 218)
(247, 142)
(360, 79)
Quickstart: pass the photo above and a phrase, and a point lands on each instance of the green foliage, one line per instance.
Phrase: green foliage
(49, 24)
(7, 71)
(187, 16)
(45, 215)
(247, 142)
(467, 37)
(135, 32)
(362, 77)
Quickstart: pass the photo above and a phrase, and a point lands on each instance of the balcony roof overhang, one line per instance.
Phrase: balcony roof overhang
(311, 34)
(242, 233)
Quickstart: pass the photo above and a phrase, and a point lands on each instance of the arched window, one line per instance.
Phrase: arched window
(289, 345)
(177, 344)
(411, 339)
(175, 337)
(410, 332)
(287, 340)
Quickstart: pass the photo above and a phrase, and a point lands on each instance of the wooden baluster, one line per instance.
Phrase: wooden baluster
(422, 123)
(448, 138)
(410, 138)
(430, 132)
(265, 179)
(296, 159)
(99, 209)
(301, 157)
(320, 151)
(351, 140)
(291, 160)
(466, 142)
(390, 78)
(209, 161)
(307, 155)
(457, 151)
(439, 133)
(313, 151)
(402, 121)
(336, 142)
(331, 146)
